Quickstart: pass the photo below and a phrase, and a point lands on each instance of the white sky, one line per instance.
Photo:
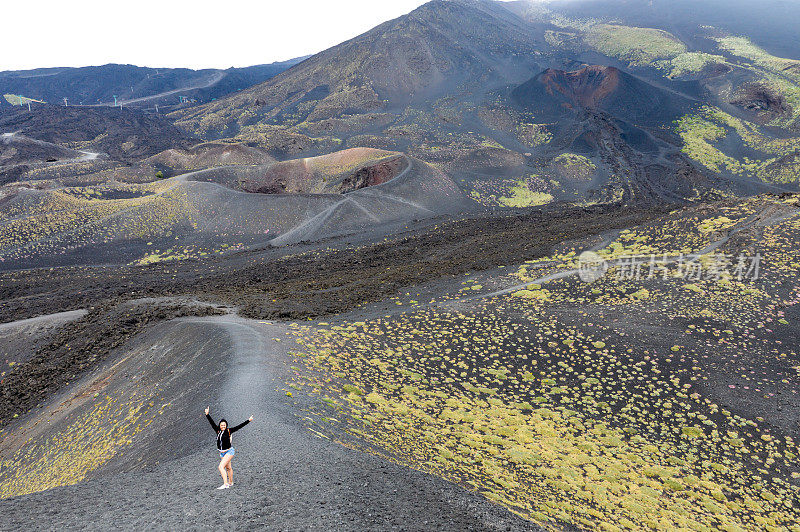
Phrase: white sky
(181, 33)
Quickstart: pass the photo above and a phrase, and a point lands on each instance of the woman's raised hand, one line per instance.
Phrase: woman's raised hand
(251, 418)
(208, 410)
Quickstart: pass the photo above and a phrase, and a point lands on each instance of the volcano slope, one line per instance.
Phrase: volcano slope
(75, 146)
(741, 76)
(19, 153)
(664, 402)
(484, 98)
(137, 419)
(123, 134)
(19, 149)
(660, 108)
(639, 401)
(136, 400)
(209, 211)
(661, 401)
(208, 155)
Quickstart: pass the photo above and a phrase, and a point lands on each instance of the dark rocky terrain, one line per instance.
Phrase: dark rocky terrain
(123, 134)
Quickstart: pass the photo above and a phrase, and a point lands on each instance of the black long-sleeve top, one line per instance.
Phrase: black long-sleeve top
(224, 437)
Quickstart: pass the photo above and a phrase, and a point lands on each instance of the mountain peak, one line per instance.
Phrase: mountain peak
(440, 48)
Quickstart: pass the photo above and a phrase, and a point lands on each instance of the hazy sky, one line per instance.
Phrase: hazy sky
(181, 33)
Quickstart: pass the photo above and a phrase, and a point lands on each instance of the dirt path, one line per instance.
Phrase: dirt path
(286, 477)
(57, 319)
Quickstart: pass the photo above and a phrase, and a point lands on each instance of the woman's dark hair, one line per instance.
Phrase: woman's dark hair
(221, 421)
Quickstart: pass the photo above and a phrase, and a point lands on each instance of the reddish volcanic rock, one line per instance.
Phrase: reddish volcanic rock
(554, 92)
(587, 87)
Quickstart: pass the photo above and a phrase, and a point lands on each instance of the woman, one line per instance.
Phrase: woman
(226, 451)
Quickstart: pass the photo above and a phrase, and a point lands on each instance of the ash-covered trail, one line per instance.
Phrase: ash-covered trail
(286, 478)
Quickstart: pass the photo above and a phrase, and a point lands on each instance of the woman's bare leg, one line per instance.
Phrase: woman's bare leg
(229, 468)
(223, 465)
(223, 473)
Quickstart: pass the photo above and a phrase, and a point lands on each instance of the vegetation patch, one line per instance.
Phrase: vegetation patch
(638, 46)
(574, 167)
(519, 193)
(580, 423)
(689, 63)
(703, 132)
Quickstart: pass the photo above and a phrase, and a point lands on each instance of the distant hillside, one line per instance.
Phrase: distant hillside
(134, 85)
(771, 23)
(124, 134)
